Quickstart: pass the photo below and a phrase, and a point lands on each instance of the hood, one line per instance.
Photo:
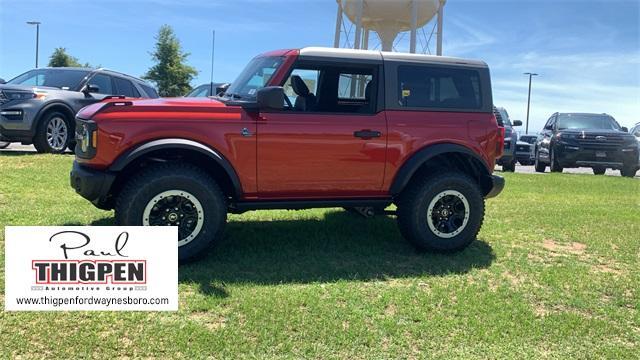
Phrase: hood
(19, 87)
(522, 143)
(157, 108)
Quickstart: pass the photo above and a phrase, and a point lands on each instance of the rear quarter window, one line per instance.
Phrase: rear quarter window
(421, 86)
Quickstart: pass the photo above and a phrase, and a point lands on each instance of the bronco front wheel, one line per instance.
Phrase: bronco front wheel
(179, 195)
(441, 213)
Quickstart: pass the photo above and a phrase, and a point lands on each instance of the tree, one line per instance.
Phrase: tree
(170, 73)
(60, 58)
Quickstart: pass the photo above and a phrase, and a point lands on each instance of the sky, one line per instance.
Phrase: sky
(587, 52)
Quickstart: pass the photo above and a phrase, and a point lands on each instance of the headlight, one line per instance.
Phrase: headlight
(18, 95)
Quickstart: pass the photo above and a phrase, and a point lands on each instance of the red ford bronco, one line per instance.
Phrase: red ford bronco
(315, 127)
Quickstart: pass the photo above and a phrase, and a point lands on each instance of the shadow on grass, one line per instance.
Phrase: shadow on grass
(342, 246)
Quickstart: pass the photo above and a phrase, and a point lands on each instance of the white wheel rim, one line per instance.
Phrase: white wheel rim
(57, 133)
(173, 218)
(435, 210)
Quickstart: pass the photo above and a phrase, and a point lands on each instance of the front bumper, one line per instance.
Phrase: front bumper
(16, 119)
(496, 187)
(93, 185)
(570, 155)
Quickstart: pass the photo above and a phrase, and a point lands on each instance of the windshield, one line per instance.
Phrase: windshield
(505, 117)
(586, 121)
(67, 79)
(255, 76)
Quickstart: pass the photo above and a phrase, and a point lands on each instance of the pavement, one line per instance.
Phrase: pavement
(15, 147)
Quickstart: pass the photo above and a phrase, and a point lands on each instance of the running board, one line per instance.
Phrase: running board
(242, 206)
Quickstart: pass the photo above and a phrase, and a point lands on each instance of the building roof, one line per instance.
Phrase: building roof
(380, 55)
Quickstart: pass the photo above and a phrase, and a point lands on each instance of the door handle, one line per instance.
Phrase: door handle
(367, 134)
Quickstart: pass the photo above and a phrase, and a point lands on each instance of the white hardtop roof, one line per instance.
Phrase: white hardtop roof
(386, 55)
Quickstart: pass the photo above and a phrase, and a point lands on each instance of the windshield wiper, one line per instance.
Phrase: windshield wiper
(233, 96)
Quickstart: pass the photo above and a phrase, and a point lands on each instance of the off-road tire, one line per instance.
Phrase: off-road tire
(539, 165)
(553, 162)
(40, 139)
(146, 185)
(629, 171)
(599, 170)
(413, 209)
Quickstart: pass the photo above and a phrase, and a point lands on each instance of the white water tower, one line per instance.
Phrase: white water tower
(388, 18)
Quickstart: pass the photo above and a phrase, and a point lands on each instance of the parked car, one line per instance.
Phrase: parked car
(525, 149)
(205, 90)
(366, 129)
(586, 140)
(38, 107)
(508, 159)
(635, 131)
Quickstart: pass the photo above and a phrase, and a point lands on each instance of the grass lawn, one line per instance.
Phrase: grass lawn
(555, 273)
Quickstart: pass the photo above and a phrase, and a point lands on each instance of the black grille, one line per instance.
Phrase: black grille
(3, 99)
(599, 142)
(522, 148)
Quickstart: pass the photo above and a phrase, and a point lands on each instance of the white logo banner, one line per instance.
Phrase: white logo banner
(91, 268)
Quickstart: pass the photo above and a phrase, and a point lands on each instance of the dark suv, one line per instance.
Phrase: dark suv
(298, 129)
(586, 140)
(38, 107)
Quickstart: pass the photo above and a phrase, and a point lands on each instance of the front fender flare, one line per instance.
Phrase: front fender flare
(178, 143)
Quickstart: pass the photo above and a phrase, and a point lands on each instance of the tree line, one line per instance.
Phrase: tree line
(170, 73)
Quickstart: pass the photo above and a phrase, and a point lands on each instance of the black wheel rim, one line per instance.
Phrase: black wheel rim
(448, 213)
(176, 208)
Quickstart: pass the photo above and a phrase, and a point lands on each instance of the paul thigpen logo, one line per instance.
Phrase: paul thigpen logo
(110, 266)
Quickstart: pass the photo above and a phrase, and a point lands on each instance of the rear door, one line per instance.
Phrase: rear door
(331, 141)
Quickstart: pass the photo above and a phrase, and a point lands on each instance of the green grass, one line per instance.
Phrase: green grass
(555, 274)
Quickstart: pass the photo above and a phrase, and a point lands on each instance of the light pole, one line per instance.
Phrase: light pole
(526, 129)
(37, 24)
(213, 52)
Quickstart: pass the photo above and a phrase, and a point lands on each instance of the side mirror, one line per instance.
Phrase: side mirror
(2, 81)
(90, 88)
(517, 123)
(270, 98)
(625, 129)
(221, 89)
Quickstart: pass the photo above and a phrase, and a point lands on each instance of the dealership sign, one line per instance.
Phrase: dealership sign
(91, 268)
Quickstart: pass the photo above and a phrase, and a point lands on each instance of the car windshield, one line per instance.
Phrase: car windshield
(254, 77)
(586, 121)
(59, 78)
(505, 117)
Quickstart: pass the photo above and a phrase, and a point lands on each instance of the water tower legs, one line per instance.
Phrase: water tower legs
(414, 26)
(440, 20)
(358, 40)
(336, 41)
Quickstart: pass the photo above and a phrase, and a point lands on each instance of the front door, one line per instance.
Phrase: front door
(330, 141)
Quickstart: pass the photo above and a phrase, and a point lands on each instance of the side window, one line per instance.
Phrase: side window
(103, 82)
(435, 87)
(353, 86)
(636, 131)
(548, 123)
(126, 88)
(332, 88)
(151, 92)
(310, 79)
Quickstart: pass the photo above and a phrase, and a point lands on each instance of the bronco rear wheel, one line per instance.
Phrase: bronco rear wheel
(179, 195)
(441, 213)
